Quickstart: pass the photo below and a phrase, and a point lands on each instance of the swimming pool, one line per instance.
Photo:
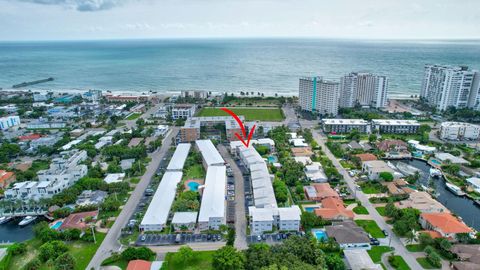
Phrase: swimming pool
(57, 225)
(310, 208)
(272, 159)
(193, 186)
(320, 234)
(436, 162)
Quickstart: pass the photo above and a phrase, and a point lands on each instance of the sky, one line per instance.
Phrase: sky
(145, 19)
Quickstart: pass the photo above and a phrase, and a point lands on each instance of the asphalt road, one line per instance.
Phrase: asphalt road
(394, 240)
(240, 219)
(110, 243)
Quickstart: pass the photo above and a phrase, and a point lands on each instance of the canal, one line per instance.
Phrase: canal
(11, 232)
(461, 206)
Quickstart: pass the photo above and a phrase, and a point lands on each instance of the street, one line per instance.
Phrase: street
(110, 243)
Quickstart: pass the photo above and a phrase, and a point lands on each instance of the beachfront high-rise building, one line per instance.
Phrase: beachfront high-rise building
(450, 86)
(319, 95)
(364, 89)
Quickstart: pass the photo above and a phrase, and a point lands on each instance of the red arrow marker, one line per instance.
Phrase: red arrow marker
(242, 127)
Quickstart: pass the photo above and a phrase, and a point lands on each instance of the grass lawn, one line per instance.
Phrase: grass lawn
(270, 114)
(376, 252)
(381, 210)
(400, 263)
(370, 227)
(202, 260)
(426, 264)
(373, 188)
(133, 116)
(195, 172)
(360, 210)
(415, 248)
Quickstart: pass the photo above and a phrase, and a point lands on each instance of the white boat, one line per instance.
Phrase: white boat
(454, 189)
(27, 220)
(435, 172)
(4, 220)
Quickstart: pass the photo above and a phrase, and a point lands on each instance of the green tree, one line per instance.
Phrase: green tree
(141, 253)
(184, 254)
(34, 264)
(386, 176)
(51, 250)
(228, 258)
(65, 262)
(334, 262)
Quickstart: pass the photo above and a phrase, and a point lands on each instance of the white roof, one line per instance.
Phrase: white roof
(453, 159)
(261, 214)
(114, 177)
(474, 181)
(70, 144)
(395, 122)
(184, 217)
(264, 141)
(209, 152)
(344, 122)
(303, 160)
(157, 212)
(298, 142)
(213, 198)
(358, 259)
(178, 159)
(458, 124)
(289, 213)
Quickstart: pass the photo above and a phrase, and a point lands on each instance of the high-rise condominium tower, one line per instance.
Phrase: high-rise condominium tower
(319, 95)
(365, 89)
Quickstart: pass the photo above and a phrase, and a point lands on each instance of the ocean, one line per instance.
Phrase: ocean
(261, 65)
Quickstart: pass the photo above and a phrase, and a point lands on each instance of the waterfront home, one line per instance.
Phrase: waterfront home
(333, 209)
(184, 221)
(79, 221)
(319, 191)
(89, 197)
(425, 149)
(374, 168)
(447, 157)
(469, 256)
(474, 183)
(392, 145)
(366, 157)
(422, 201)
(348, 235)
(6, 178)
(444, 223)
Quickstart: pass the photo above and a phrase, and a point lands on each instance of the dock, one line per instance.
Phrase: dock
(24, 84)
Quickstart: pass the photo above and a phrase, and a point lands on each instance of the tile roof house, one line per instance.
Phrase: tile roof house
(6, 178)
(422, 201)
(319, 191)
(77, 220)
(444, 223)
(348, 235)
(30, 137)
(467, 253)
(333, 209)
(139, 265)
(366, 157)
(397, 145)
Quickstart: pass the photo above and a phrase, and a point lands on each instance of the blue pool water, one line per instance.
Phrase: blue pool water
(272, 159)
(434, 161)
(57, 225)
(320, 234)
(310, 209)
(193, 186)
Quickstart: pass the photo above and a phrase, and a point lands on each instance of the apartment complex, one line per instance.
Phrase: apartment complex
(63, 173)
(345, 125)
(451, 86)
(183, 111)
(190, 132)
(459, 131)
(376, 125)
(319, 95)
(9, 121)
(364, 89)
(395, 126)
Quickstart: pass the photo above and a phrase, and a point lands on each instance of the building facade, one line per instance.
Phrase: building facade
(9, 121)
(395, 126)
(459, 131)
(364, 89)
(183, 111)
(319, 95)
(451, 86)
(345, 125)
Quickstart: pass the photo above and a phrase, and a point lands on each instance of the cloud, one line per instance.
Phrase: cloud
(81, 5)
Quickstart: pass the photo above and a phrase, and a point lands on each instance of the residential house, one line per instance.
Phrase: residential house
(348, 235)
(6, 178)
(89, 197)
(422, 201)
(333, 209)
(444, 223)
(79, 220)
(319, 191)
(374, 168)
(315, 173)
(474, 183)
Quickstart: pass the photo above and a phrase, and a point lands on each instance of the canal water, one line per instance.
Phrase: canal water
(11, 232)
(461, 206)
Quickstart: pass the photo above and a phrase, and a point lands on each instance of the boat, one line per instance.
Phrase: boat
(435, 172)
(27, 220)
(454, 189)
(4, 220)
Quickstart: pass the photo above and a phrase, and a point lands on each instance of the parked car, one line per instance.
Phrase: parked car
(279, 237)
(143, 238)
(264, 237)
(209, 237)
(385, 232)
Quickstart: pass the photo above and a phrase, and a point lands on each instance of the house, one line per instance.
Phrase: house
(89, 197)
(444, 223)
(6, 178)
(374, 168)
(139, 265)
(184, 221)
(319, 191)
(353, 145)
(127, 163)
(447, 157)
(79, 220)
(474, 183)
(29, 137)
(300, 142)
(333, 209)
(315, 173)
(360, 260)
(395, 145)
(304, 160)
(114, 178)
(422, 201)
(469, 256)
(366, 157)
(348, 235)
(135, 142)
(425, 149)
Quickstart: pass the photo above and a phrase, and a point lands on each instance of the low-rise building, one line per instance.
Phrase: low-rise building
(425, 149)
(9, 122)
(395, 126)
(348, 235)
(264, 219)
(183, 111)
(345, 125)
(449, 158)
(10, 108)
(191, 130)
(79, 220)
(459, 131)
(333, 209)
(359, 259)
(474, 183)
(212, 209)
(374, 168)
(366, 157)
(469, 256)
(422, 201)
(114, 178)
(392, 145)
(302, 151)
(42, 124)
(91, 197)
(6, 178)
(139, 108)
(315, 173)
(444, 223)
(319, 191)
(48, 141)
(184, 221)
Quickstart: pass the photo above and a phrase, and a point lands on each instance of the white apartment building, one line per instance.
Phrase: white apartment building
(395, 126)
(63, 173)
(9, 121)
(264, 219)
(446, 86)
(364, 89)
(459, 131)
(212, 209)
(183, 111)
(345, 125)
(319, 95)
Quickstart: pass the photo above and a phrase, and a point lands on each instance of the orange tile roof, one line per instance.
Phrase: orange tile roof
(77, 220)
(29, 137)
(333, 208)
(4, 176)
(324, 190)
(139, 265)
(446, 222)
(366, 157)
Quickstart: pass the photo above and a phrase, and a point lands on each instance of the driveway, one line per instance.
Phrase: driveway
(110, 243)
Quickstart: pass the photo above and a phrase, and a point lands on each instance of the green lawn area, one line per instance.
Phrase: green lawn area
(376, 252)
(426, 264)
(370, 227)
(195, 172)
(415, 248)
(270, 114)
(202, 260)
(372, 187)
(133, 116)
(360, 210)
(381, 210)
(399, 263)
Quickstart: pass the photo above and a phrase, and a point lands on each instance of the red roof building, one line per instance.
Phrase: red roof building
(320, 191)
(78, 220)
(397, 145)
(6, 178)
(139, 265)
(366, 157)
(333, 209)
(444, 223)
(30, 137)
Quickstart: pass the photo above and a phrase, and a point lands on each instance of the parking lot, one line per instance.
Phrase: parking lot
(169, 239)
(273, 238)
